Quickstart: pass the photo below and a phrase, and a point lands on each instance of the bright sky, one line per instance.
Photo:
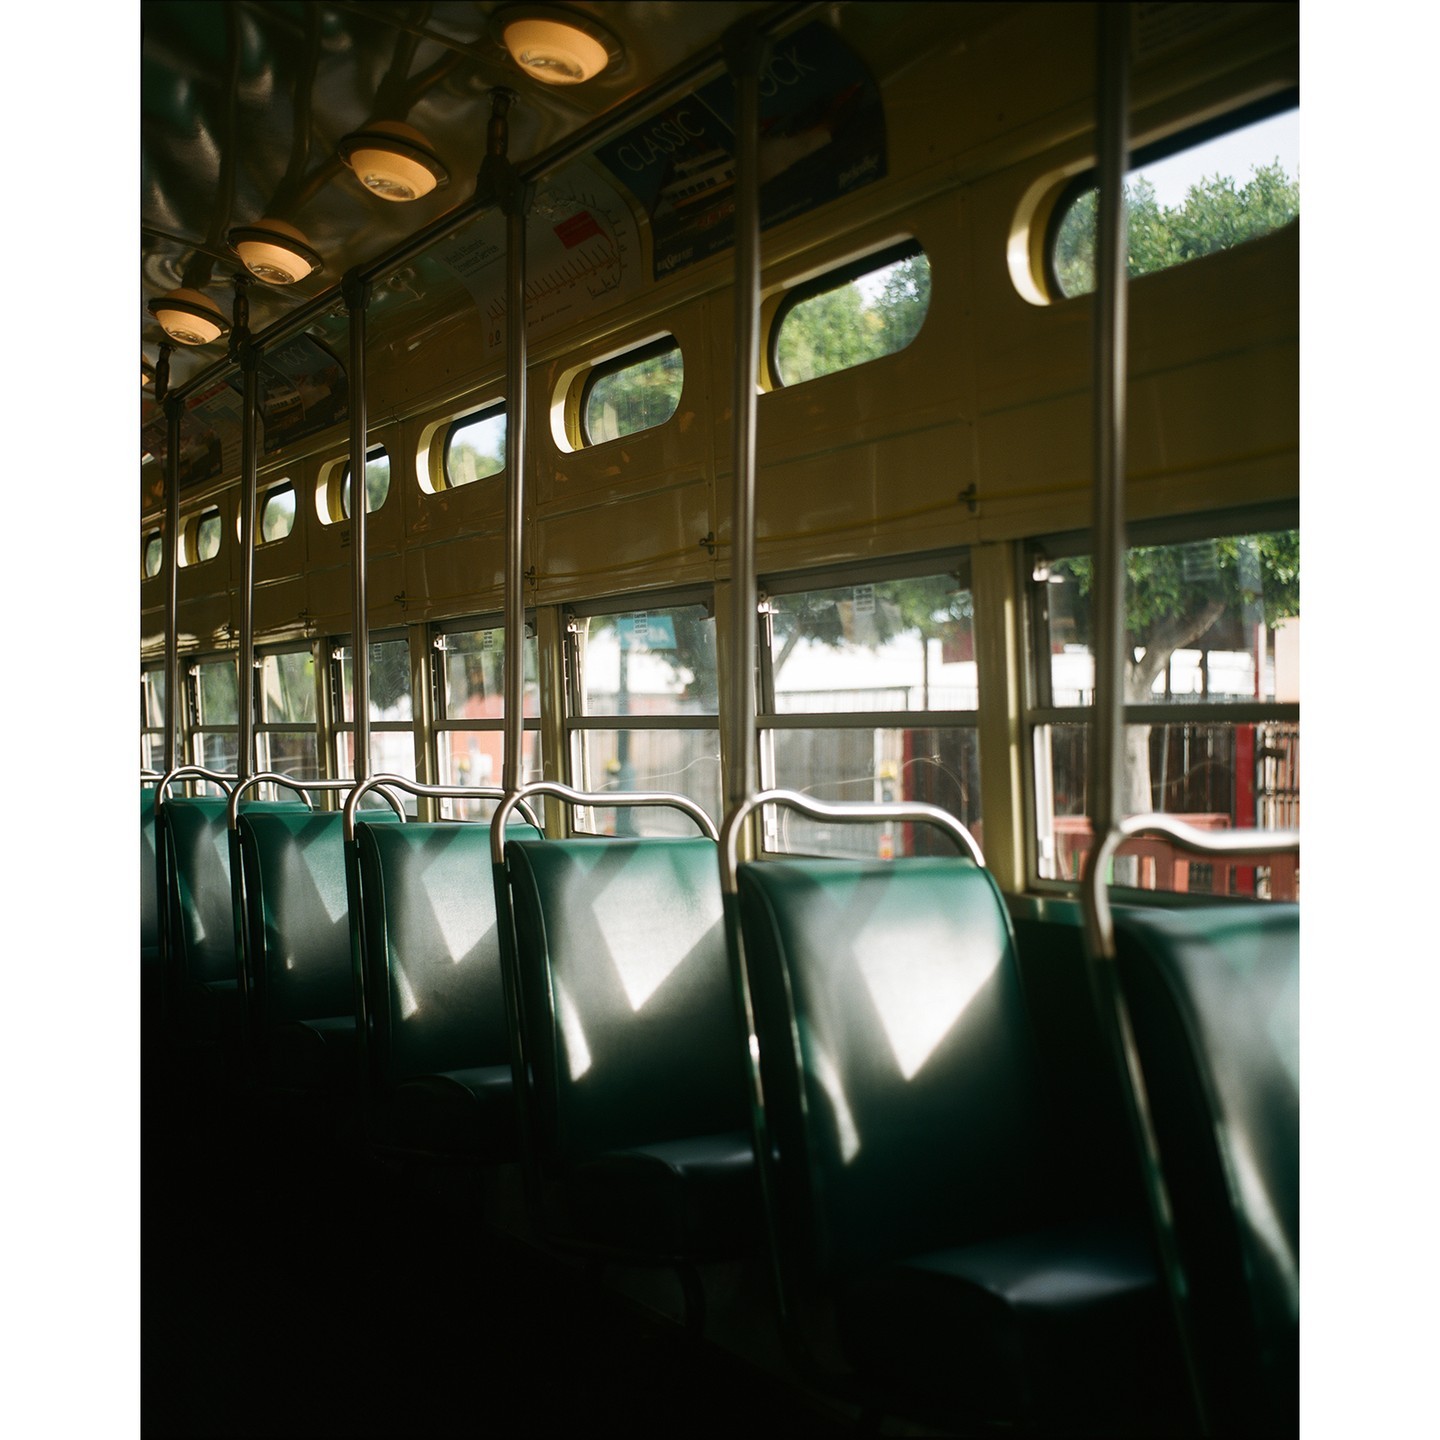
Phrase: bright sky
(1235, 154)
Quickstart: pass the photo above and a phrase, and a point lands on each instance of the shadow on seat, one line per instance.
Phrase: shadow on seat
(1213, 998)
(439, 1079)
(299, 974)
(932, 1256)
(636, 1112)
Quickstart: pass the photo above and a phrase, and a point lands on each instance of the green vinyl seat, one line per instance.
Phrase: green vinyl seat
(438, 1047)
(1213, 995)
(296, 925)
(149, 882)
(933, 1256)
(636, 1101)
(203, 997)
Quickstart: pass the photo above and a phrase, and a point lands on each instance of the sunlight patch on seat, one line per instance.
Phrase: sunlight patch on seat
(577, 1052)
(921, 981)
(1284, 1026)
(823, 1068)
(463, 928)
(409, 1005)
(648, 942)
(1264, 1221)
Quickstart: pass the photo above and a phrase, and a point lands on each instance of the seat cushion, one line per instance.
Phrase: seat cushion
(696, 1196)
(1063, 1327)
(317, 1054)
(461, 1113)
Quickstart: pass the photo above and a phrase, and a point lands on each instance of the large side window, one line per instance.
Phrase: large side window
(287, 731)
(1212, 690)
(215, 713)
(644, 708)
(152, 718)
(1205, 190)
(869, 692)
(859, 312)
(470, 712)
(392, 715)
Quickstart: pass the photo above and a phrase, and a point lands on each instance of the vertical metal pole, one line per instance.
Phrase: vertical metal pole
(173, 410)
(1110, 363)
(250, 419)
(516, 392)
(356, 290)
(500, 177)
(745, 55)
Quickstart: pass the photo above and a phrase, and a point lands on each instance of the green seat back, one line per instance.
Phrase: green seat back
(900, 1082)
(201, 924)
(298, 919)
(433, 982)
(630, 1027)
(1214, 999)
(149, 893)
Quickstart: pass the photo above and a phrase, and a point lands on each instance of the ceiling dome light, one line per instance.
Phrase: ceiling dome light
(555, 45)
(189, 317)
(274, 251)
(393, 160)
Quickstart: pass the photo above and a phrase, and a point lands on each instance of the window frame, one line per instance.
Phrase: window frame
(263, 727)
(769, 719)
(269, 493)
(337, 646)
(201, 517)
(822, 284)
(197, 727)
(443, 724)
(576, 723)
(1189, 138)
(152, 737)
(460, 422)
(614, 365)
(1040, 711)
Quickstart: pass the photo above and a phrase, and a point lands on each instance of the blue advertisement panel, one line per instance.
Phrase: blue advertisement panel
(822, 135)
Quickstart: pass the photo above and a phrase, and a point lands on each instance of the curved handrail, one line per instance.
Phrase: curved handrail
(1114, 1017)
(416, 787)
(223, 778)
(1220, 844)
(271, 777)
(301, 787)
(910, 812)
(602, 799)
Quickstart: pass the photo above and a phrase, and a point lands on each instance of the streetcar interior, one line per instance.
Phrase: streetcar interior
(720, 843)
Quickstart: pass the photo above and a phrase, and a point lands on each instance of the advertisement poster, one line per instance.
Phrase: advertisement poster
(304, 388)
(822, 135)
(209, 435)
(581, 246)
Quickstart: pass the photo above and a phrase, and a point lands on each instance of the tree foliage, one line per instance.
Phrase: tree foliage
(1217, 215)
(1177, 595)
(854, 322)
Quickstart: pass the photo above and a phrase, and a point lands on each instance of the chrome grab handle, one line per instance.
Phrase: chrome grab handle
(1221, 844)
(224, 779)
(602, 799)
(415, 787)
(911, 812)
